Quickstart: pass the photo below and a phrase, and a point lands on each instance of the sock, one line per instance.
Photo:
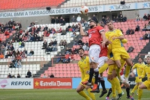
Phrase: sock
(91, 74)
(113, 88)
(96, 77)
(109, 92)
(82, 93)
(92, 96)
(135, 87)
(118, 74)
(127, 71)
(103, 84)
(140, 92)
(128, 92)
(103, 68)
(118, 86)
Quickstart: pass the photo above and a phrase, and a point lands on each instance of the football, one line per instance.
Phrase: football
(84, 10)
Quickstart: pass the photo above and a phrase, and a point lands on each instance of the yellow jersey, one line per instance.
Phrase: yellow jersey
(146, 71)
(84, 66)
(117, 43)
(139, 67)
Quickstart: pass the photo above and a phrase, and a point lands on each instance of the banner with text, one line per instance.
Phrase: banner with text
(16, 83)
(48, 83)
(74, 10)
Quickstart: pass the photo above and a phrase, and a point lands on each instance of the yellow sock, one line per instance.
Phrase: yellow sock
(127, 71)
(118, 86)
(82, 93)
(135, 87)
(118, 74)
(91, 94)
(140, 92)
(113, 86)
(103, 68)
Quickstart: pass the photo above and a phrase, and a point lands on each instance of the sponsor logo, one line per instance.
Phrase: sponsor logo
(3, 83)
(53, 83)
(146, 5)
(21, 83)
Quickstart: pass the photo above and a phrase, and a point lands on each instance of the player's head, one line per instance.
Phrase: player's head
(93, 23)
(148, 60)
(140, 60)
(81, 52)
(110, 25)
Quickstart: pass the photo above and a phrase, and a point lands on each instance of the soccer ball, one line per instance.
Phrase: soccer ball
(84, 10)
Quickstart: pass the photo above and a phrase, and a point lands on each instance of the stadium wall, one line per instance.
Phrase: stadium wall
(49, 83)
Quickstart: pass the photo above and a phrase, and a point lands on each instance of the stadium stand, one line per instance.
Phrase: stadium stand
(71, 3)
(27, 4)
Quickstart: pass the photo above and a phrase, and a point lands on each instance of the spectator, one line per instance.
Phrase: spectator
(80, 42)
(18, 64)
(114, 19)
(85, 47)
(13, 76)
(74, 34)
(26, 52)
(75, 42)
(31, 53)
(66, 59)
(137, 28)
(78, 18)
(137, 18)
(12, 65)
(124, 19)
(52, 76)
(145, 17)
(29, 74)
(94, 18)
(117, 19)
(68, 51)
(104, 20)
(22, 45)
(107, 19)
(44, 44)
(18, 76)
(9, 75)
(63, 22)
(44, 76)
(146, 36)
(58, 58)
(129, 31)
(57, 20)
(53, 20)
(1, 56)
(120, 16)
(73, 19)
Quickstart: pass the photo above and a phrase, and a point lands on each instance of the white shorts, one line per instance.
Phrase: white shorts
(101, 61)
(94, 53)
(123, 79)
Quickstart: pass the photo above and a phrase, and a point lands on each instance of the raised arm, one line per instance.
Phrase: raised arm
(81, 30)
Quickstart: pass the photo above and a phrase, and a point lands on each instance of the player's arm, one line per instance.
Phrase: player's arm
(120, 35)
(81, 30)
(143, 74)
(102, 32)
(82, 73)
(135, 66)
(124, 40)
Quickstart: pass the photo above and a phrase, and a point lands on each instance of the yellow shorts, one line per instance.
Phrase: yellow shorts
(137, 80)
(119, 53)
(111, 68)
(147, 84)
(93, 81)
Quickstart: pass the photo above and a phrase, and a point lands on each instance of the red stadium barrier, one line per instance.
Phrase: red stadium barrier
(57, 83)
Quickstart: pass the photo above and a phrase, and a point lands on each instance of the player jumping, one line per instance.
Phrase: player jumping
(97, 41)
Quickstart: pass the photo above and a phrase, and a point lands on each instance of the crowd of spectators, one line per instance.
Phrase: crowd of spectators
(13, 76)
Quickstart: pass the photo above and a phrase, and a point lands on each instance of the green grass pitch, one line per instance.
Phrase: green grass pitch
(52, 94)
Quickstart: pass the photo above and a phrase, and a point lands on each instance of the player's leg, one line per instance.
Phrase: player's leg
(133, 90)
(113, 88)
(92, 96)
(94, 52)
(108, 94)
(127, 71)
(104, 91)
(144, 85)
(80, 91)
(105, 65)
